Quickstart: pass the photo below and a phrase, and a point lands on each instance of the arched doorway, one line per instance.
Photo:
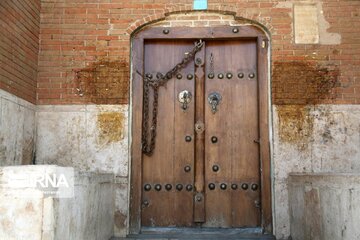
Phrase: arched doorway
(210, 165)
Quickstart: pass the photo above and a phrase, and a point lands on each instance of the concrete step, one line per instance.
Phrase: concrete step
(199, 234)
(192, 237)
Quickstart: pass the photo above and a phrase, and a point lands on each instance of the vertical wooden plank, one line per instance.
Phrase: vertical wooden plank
(218, 207)
(245, 125)
(199, 204)
(236, 126)
(184, 151)
(172, 152)
(158, 168)
(136, 126)
(266, 200)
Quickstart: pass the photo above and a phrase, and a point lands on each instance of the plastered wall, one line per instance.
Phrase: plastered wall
(17, 130)
(311, 139)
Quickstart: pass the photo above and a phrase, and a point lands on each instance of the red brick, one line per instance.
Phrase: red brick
(77, 33)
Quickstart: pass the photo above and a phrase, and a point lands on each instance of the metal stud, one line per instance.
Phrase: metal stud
(251, 75)
(240, 75)
(149, 75)
(234, 186)
(168, 187)
(166, 31)
(235, 30)
(189, 76)
(147, 187)
(198, 198)
(146, 203)
(229, 75)
(179, 187)
(189, 187)
(187, 168)
(220, 76)
(257, 203)
(157, 187)
(198, 61)
(179, 76)
(223, 186)
(215, 168)
(254, 187)
(214, 139)
(244, 186)
(188, 138)
(211, 75)
(211, 186)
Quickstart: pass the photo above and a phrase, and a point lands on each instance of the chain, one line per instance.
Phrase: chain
(211, 63)
(148, 146)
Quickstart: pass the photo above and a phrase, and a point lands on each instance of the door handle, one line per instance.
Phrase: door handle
(184, 98)
(214, 99)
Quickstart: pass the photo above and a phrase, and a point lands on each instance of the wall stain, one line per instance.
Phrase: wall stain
(296, 88)
(29, 207)
(303, 82)
(104, 82)
(295, 124)
(2, 152)
(119, 219)
(28, 151)
(110, 126)
(6, 225)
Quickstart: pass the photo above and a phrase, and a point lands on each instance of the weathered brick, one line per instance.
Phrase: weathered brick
(82, 33)
(20, 26)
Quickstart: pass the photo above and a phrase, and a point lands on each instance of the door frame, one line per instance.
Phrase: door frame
(136, 109)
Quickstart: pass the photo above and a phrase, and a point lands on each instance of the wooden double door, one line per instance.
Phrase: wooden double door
(207, 168)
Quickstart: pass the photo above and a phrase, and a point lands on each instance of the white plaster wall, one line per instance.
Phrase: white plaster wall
(325, 206)
(17, 130)
(20, 218)
(88, 215)
(327, 141)
(121, 206)
(70, 135)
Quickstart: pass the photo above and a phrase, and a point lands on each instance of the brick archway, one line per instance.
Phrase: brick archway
(220, 10)
(189, 18)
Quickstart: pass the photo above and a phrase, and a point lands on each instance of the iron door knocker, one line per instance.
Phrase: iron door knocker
(184, 98)
(214, 100)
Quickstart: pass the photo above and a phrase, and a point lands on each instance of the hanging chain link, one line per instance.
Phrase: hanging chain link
(148, 146)
(211, 64)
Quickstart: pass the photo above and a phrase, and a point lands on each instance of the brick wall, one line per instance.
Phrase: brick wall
(19, 46)
(84, 54)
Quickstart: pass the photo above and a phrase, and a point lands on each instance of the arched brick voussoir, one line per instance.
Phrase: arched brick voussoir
(226, 16)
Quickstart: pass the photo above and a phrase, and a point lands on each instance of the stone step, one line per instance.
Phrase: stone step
(192, 237)
(199, 234)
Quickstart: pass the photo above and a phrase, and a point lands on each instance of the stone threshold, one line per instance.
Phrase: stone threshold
(199, 234)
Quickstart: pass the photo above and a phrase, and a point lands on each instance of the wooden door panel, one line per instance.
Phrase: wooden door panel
(246, 151)
(235, 124)
(172, 152)
(218, 211)
(184, 151)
